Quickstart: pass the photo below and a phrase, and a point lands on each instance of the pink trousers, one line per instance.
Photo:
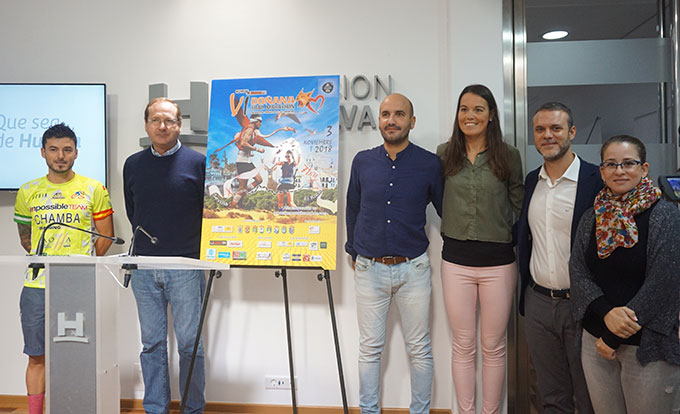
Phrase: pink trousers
(494, 287)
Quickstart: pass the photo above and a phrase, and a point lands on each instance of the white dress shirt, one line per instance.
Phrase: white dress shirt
(551, 210)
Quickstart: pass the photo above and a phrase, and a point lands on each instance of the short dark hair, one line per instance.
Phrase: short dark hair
(161, 99)
(642, 152)
(59, 131)
(558, 106)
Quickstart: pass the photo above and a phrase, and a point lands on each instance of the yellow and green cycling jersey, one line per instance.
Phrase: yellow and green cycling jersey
(79, 202)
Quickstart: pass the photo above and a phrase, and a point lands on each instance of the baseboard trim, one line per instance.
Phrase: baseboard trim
(20, 401)
(275, 409)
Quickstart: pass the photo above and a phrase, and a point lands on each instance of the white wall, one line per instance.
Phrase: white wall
(431, 48)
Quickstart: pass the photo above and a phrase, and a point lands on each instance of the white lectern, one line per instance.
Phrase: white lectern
(81, 327)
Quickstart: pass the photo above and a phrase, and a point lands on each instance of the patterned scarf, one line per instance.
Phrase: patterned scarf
(614, 223)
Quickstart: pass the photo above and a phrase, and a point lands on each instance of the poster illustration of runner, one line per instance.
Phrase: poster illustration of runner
(271, 172)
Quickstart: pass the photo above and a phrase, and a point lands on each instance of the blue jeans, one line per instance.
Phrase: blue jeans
(410, 285)
(183, 291)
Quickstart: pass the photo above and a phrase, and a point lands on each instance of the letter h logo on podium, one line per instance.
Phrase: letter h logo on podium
(75, 327)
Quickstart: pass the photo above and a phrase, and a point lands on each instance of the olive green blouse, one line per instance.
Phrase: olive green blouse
(476, 205)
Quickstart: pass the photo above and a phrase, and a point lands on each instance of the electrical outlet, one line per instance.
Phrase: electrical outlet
(274, 382)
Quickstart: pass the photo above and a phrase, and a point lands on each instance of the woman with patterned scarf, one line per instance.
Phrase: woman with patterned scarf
(625, 273)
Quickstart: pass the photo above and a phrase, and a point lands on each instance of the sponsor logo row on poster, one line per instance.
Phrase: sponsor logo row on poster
(213, 253)
(263, 256)
(240, 229)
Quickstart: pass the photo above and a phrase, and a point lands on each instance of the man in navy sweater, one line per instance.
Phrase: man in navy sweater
(163, 188)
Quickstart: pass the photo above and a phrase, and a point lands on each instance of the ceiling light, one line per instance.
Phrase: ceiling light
(555, 34)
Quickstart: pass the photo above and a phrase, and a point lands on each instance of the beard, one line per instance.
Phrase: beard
(563, 149)
(395, 139)
(60, 168)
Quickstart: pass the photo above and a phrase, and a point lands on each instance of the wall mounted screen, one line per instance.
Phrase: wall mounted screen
(27, 110)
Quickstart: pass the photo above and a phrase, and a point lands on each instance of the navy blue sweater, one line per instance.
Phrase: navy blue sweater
(165, 196)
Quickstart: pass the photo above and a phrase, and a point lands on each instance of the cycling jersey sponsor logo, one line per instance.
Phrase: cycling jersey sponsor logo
(66, 218)
(38, 195)
(58, 206)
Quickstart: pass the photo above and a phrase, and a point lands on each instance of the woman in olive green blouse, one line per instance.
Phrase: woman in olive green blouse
(483, 189)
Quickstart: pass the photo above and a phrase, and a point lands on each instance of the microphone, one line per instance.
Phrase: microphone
(132, 251)
(41, 243)
(129, 267)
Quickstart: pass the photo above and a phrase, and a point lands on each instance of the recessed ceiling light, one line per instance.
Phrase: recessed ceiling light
(555, 34)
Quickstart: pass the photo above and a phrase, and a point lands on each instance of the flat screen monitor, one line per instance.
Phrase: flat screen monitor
(675, 185)
(28, 109)
(670, 186)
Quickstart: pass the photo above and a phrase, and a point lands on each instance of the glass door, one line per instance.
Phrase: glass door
(616, 69)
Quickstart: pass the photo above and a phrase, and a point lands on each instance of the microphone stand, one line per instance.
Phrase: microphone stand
(204, 307)
(41, 243)
(129, 267)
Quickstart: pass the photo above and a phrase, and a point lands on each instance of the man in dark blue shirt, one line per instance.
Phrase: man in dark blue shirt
(389, 189)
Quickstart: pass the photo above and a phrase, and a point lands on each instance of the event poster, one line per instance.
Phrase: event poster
(271, 172)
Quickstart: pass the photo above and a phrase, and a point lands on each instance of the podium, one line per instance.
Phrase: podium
(81, 327)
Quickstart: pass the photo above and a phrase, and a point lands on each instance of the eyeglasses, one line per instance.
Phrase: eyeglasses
(168, 122)
(627, 165)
